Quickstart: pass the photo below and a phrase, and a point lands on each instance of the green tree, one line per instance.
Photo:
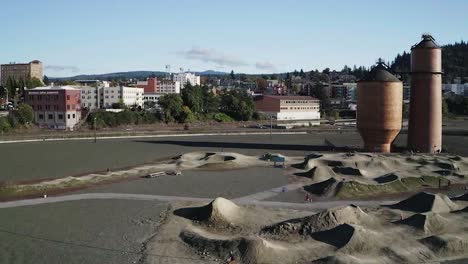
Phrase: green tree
(33, 83)
(237, 104)
(233, 76)
(24, 114)
(445, 110)
(171, 105)
(4, 125)
(302, 74)
(210, 101)
(46, 80)
(319, 91)
(186, 116)
(192, 97)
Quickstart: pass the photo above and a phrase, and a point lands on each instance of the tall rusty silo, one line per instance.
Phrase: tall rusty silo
(425, 120)
(379, 108)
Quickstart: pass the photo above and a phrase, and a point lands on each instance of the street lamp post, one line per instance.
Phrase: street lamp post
(95, 137)
(271, 129)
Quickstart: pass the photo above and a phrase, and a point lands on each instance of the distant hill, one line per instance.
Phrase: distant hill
(454, 62)
(140, 75)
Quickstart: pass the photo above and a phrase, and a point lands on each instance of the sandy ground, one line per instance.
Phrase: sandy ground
(349, 234)
(92, 231)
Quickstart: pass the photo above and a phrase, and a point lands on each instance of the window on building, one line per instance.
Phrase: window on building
(68, 107)
(73, 116)
(68, 116)
(51, 116)
(68, 97)
(60, 117)
(41, 116)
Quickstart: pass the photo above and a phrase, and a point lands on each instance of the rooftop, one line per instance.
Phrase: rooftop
(291, 97)
(427, 42)
(54, 88)
(380, 73)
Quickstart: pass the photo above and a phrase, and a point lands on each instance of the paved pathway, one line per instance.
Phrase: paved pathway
(153, 136)
(162, 198)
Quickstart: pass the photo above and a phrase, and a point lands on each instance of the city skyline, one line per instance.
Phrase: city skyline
(73, 38)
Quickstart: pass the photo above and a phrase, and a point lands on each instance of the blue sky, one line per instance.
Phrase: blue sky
(256, 36)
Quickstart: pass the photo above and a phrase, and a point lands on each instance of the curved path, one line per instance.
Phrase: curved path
(162, 198)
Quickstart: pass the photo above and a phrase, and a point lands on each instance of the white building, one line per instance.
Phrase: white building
(186, 77)
(289, 107)
(90, 96)
(104, 97)
(170, 87)
(456, 88)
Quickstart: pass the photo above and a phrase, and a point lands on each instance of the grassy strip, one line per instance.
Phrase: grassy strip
(353, 189)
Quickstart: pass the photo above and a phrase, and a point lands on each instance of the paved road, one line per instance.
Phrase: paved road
(145, 197)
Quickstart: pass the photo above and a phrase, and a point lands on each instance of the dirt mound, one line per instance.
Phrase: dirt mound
(426, 202)
(324, 220)
(319, 173)
(430, 222)
(463, 197)
(350, 238)
(387, 178)
(219, 211)
(347, 171)
(338, 259)
(321, 188)
(246, 250)
(449, 245)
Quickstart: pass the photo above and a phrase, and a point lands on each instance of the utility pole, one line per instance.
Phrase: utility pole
(95, 137)
(271, 129)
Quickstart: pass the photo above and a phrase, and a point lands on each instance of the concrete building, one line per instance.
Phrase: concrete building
(104, 97)
(186, 77)
(55, 107)
(21, 71)
(131, 96)
(95, 83)
(289, 107)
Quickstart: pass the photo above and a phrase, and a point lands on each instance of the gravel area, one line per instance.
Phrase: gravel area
(203, 183)
(91, 231)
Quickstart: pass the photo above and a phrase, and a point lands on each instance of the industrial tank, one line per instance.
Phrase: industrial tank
(379, 108)
(425, 120)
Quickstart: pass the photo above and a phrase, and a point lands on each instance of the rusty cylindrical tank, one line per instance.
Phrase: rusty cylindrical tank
(379, 108)
(425, 120)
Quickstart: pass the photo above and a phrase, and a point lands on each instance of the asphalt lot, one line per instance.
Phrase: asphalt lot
(89, 231)
(54, 159)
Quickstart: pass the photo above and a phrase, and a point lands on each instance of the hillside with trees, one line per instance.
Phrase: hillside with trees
(454, 63)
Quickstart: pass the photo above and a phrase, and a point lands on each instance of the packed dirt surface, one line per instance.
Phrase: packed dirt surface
(348, 234)
(348, 175)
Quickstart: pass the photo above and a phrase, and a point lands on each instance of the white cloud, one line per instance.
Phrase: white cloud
(265, 65)
(60, 68)
(212, 56)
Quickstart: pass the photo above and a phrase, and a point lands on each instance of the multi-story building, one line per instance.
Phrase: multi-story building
(90, 97)
(55, 107)
(163, 87)
(289, 107)
(186, 77)
(21, 71)
(149, 86)
(95, 83)
(105, 97)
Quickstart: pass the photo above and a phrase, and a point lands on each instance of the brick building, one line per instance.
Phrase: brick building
(149, 86)
(21, 71)
(55, 107)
